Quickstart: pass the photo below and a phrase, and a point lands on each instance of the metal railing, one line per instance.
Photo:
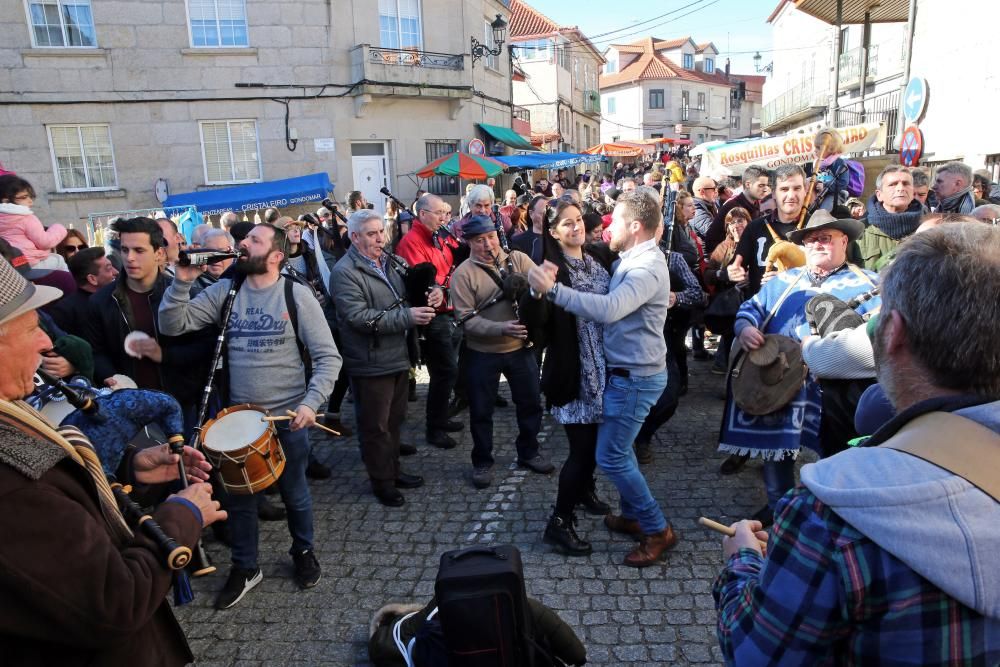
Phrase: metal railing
(520, 113)
(797, 98)
(884, 60)
(411, 57)
(882, 108)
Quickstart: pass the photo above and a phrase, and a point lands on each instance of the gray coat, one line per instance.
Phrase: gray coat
(360, 295)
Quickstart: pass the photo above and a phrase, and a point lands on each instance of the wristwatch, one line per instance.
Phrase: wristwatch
(551, 294)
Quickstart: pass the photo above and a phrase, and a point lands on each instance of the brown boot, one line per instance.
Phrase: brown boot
(651, 548)
(619, 524)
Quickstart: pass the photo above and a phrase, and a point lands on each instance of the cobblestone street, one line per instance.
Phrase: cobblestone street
(662, 615)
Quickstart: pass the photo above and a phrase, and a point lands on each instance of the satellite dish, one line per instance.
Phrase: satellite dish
(161, 190)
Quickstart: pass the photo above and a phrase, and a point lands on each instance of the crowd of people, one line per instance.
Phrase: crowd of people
(851, 328)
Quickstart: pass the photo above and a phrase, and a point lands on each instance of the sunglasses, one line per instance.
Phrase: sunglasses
(74, 248)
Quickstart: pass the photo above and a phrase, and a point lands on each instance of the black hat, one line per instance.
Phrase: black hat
(614, 193)
(478, 224)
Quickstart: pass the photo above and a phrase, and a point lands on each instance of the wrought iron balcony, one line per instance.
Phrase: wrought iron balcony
(414, 58)
(410, 73)
(591, 102)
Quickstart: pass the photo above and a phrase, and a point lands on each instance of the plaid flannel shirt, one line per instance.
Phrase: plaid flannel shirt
(828, 595)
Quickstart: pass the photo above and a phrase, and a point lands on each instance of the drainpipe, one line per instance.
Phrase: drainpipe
(910, 30)
(837, 46)
(866, 40)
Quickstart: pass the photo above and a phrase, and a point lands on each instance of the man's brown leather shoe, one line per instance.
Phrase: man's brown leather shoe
(651, 548)
(619, 524)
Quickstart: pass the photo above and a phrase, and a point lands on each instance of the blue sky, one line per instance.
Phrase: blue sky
(735, 26)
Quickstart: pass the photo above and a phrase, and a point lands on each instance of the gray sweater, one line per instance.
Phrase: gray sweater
(265, 366)
(633, 311)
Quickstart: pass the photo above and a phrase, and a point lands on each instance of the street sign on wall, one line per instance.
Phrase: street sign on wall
(477, 147)
(915, 99)
(911, 146)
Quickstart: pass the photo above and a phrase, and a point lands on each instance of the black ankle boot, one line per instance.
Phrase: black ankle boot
(593, 505)
(560, 534)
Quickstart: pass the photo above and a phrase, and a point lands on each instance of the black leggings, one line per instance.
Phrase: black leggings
(576, 478)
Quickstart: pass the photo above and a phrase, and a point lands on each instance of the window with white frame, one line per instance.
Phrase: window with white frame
(230, 151)
(734, 122)
(688, 61)
(82, 157)
(611, 67)
(563, 57)
(218, 23)
(612, 105)
(492, 61)
(400, 25)
(701, 101)
(576, 73)
(61, 23)
(535, 49)
(709, 65)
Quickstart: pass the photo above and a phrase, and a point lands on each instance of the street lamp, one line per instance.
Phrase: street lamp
(480, 50)
(757, 58)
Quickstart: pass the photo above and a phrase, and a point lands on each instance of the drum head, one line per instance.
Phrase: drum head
(235, 430)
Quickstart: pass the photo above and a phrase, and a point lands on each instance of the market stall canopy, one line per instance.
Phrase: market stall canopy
(615, 150)
(463, 165)
(507, 136)
(885, 11)
(548, 160)
(256, 196)
(772, 152)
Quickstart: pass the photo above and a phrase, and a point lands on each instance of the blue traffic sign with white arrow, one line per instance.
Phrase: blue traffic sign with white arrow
(914, 99)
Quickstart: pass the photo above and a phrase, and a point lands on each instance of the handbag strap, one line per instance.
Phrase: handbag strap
(955, 443)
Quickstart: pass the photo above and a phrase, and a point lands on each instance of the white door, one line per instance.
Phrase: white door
(371, 174)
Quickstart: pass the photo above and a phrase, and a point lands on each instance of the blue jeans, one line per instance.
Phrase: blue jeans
(483, 380)
(243, 529)
(627, 401)
(779, 479)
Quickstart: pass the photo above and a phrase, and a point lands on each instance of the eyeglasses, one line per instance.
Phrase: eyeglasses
(74, 248)
(707, 187)
(822, 239)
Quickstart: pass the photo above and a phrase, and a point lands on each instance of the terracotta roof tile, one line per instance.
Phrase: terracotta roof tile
(526, 20)
(652, 65)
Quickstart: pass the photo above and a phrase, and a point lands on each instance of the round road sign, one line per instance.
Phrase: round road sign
(915, 99)
(911, 146)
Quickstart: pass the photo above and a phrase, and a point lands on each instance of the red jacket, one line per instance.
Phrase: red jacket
(417, 247)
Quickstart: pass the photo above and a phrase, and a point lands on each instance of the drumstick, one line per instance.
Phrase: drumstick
(292, 415)
(725, 530)
(280, 418)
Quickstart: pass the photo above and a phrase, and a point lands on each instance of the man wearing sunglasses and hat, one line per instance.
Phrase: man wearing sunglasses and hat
(776, 406)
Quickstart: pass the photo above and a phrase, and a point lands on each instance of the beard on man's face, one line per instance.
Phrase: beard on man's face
(251, 266)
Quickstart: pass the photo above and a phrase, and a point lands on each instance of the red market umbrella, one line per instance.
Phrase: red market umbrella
(465, 166)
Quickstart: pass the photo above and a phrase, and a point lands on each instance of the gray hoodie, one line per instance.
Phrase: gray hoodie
(935, 522)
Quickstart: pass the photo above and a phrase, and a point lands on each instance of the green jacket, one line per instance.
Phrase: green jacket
(877, 248)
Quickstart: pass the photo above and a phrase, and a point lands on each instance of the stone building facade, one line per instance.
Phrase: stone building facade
(100, 100)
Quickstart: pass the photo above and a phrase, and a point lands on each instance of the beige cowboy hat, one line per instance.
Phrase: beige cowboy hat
(770, 376)
(823, 219)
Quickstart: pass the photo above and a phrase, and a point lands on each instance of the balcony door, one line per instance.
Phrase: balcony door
(370, 168)
(400, 25)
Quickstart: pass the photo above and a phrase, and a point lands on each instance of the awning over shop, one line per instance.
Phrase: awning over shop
(507, 136)
(255, 196)
(547, 160)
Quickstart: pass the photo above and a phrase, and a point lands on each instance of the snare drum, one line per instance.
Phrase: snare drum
(244, 449)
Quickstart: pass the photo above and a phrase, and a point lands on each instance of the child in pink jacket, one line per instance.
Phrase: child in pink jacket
(20, 227)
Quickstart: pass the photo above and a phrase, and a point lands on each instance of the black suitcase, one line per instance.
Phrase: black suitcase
(483, 609)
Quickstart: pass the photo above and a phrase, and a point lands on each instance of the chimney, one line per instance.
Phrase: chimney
(727, 68)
